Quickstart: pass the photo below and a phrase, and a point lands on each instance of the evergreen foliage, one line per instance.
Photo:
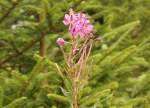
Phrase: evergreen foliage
(31, 64)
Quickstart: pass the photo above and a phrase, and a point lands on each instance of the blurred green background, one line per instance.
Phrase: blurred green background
(120, 60)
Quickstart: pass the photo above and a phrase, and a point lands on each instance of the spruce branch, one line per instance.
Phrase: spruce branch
(42, 45)
(58, 98)
(130, 27)
(15, 103)
(7, 13)
(17, 54)
(1, 97)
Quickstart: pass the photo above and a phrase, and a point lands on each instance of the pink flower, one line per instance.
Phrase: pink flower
(78, 23)
(60, 41)
(87, 30)
(67, 20)
(75, 50)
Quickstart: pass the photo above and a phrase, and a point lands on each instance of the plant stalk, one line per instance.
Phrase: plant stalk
(42, 46)
(75, 95)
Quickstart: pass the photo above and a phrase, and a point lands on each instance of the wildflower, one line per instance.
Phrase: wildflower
(78, 23)
(75, 50)
(60, 41)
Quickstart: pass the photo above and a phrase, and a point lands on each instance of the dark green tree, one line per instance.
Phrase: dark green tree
(119, 65)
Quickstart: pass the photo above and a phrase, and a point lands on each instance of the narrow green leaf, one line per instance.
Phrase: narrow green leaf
(58, 98)
(68, 84)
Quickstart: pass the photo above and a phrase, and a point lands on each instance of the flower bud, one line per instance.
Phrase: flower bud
(60, 41)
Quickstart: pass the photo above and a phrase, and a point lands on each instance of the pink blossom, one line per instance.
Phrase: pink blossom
(67, 20)
(75, 50)
(78, 23)
(60, 41)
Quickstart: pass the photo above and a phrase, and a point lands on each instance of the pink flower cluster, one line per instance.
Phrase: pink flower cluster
(78, 23)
